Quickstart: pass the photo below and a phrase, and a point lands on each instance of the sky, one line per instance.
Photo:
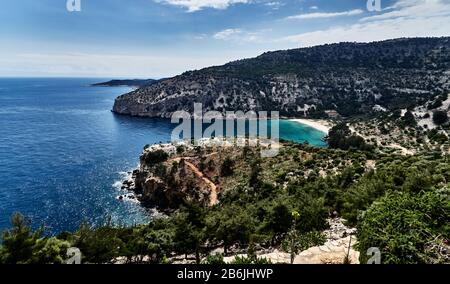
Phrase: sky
(163, 38)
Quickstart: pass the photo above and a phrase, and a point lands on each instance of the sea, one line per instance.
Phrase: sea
(63, 153)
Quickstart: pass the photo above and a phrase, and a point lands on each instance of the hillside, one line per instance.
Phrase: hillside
(354, 79)
(267, 209)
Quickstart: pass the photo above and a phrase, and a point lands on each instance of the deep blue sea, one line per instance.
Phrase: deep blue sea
(62, 152)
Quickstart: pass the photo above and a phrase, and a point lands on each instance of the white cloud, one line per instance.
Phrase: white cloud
(406, 18)
(313, 8)
(196, 5)
(325, 15)
(411, 9)
(227, 34)
(240, 35)
(275, 5)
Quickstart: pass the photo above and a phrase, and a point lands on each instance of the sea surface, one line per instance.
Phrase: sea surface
(63, 152)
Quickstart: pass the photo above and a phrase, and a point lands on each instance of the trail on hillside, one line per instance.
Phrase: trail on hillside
(213, 197)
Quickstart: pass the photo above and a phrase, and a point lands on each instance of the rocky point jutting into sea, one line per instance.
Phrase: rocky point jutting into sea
(172, 174)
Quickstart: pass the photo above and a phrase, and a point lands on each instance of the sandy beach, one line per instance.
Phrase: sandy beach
(319, 124)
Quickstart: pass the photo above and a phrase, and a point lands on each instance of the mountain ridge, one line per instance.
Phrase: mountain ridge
(351, 79)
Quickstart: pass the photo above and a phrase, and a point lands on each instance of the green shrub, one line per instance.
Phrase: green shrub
(216, 259)
(405, 227)
(226, 169)
(440, 117)
(238, 260)
(155, 157)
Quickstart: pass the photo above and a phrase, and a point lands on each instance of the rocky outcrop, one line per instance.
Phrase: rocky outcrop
(332, 252)
(165, 179)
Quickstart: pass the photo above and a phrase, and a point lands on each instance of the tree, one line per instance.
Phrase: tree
(20, 245)
(98, 245)
(255, 170)
(159, 239)
(152, 243)
(189, 229)
(230, 224)
(226, 169)
(408, 119)
(279, 219)
(292, 236)
(440, 117)
(340, 137)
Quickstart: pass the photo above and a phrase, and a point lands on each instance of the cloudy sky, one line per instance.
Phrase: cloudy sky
(160, 38)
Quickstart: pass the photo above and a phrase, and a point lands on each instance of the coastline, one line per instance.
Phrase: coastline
(318, 124)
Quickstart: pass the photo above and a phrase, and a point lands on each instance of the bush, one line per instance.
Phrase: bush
(360, 196)
(155, 157)
(248, 260)
(340, 137)
(226, 169)
(216, 259)
(405, 227)
(440, 117)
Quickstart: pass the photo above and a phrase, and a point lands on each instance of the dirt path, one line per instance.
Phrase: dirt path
(213, 199)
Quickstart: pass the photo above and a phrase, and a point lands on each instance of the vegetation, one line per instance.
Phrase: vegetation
(353, 79)
(155, 157)
(399, 204)
(440, 117)
(408, 227)
(22, 245)
(226, 169)
(340, 137)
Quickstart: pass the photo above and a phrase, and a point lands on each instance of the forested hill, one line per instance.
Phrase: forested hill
(352, 79)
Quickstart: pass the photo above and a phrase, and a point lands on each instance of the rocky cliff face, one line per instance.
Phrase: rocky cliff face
(350, 78)
(169, 177)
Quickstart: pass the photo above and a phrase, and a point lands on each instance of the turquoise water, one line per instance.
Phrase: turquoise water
(62, 152)
(300, 133)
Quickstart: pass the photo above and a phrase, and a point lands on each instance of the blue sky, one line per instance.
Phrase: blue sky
(159, 38)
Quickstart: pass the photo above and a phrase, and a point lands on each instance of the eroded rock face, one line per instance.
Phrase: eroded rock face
(155, 193)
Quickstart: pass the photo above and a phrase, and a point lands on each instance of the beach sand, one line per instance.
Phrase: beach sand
(319, 124)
